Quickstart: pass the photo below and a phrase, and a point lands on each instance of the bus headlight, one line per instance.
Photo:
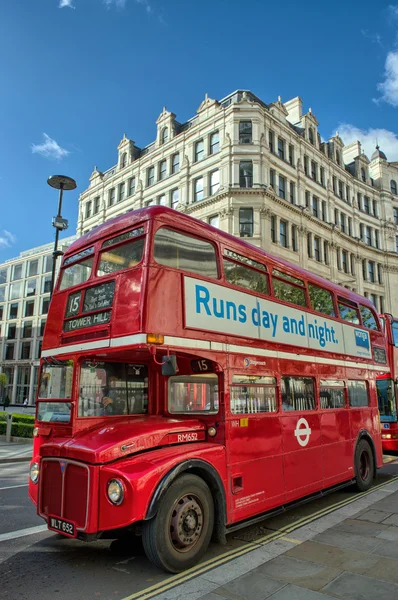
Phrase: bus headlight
(115, 491)
(34, 472)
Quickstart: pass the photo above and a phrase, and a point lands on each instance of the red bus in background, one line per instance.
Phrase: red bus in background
(190, 383)
(387, 387)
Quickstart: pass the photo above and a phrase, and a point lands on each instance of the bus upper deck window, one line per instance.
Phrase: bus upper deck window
(122, 257)
(289, 288)
(185, 252)
(349, 313)
(321, 300)
(368, 318)
(76, 274)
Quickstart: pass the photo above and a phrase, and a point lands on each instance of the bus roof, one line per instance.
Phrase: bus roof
(169, 217)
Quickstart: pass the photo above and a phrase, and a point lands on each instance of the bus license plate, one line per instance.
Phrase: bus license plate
(61, 526)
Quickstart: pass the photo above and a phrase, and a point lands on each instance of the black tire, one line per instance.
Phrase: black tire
(364, 466)
(179, 534)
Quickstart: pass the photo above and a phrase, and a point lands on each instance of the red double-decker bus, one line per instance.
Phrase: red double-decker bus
(190, 383)
(387, 387)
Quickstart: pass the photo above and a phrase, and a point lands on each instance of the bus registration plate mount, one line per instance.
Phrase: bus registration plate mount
(67, 528)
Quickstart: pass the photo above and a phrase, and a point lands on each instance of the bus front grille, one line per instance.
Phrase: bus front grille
(64, 490)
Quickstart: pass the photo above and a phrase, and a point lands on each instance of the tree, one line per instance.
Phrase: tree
(3, 383)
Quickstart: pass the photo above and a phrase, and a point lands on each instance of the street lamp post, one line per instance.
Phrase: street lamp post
(61, 183)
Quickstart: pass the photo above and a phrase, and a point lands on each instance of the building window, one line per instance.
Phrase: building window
(214, 142)
(307, 199)
(162, 170)
(96, 205)
(292, 195)
(245, 132)
(16, 272)
(371, 271)
(25, 350)
(88, 209)
(15, 291)
(31, 287)
(246, 222)
(111, 197)
(271, 141)
(338, 257)
(175, 198)
(1, 311)
(150, 176)
(3, 275)
(334, 184)
(272, 177)
(344, 260)
(352, 264)
(396, 243)
(324, 211)
(13, 313)
(338, 160)
(131, 186)
(122, 190)
(175, 163)
(38, 349)
(46, 284)
(27, 329)
(199, 151)
(12, 331)
(44, 305)
(9, 352)
(343, 221)
(162, 200)
(29, 308)
(313, 170)
(309, 245)
(366, 205)
(281, 148)
(377, 238)
(33, 268)
(311, 135)
(306, 164)
(294, 238)
(364, 271)
(348, 194)
(395, 216)
(374, 203)
(246, 174)
(198, 189)
(315, 207)
(165, 135)
(322, 175)
(317, 249)
(273, 229)
(282, 187)
(393, 186)
(214, 182)
(291, 154)
(214, 221)
(283, 234)
(368, 236)
(42, 326)
(363, 174)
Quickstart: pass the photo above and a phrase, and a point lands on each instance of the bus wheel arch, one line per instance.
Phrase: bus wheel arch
(364, 461)
(210, 476)
(178, 535)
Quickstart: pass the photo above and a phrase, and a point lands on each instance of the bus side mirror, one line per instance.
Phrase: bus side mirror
(169, 365)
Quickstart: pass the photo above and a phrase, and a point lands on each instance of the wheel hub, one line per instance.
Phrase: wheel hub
(186, 522)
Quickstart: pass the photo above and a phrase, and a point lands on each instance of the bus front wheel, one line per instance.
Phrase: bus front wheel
(364, 466)
(178, 536)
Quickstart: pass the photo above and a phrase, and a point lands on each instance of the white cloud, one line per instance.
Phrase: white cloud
(122, 3)
(49, 149)
(387, 140)
(117, 3)
(373, 37)
(65, 3)
(393, 11)
(389, 87)
(7, 239)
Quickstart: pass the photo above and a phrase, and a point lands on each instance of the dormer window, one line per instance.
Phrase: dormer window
(123, 162)
(165, 135)
(363, 174)
(338, 159)
(311, 135)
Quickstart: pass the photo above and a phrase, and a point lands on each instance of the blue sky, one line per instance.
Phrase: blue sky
(78, 74)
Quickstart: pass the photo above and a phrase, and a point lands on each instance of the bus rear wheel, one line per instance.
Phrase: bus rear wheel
(179, 534)
(364, 466)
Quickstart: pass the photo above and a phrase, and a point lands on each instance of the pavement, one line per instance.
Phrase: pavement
(350, 553)
(15, 451)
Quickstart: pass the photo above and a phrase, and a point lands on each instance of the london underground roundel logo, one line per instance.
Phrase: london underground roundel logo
(302, 432)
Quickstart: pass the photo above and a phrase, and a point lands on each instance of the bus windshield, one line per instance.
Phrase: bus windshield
(55, 383)
(386, 399)
(112, 389)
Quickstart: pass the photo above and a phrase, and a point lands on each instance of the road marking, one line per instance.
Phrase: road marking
(291, 540)
(209, 565)
(12, 487)
(13, 535)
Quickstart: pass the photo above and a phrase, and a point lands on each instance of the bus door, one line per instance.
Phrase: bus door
(386, 398)
(254, 446)
(301, 437)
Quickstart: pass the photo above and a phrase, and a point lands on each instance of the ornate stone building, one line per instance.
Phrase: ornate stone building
(261, 171)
